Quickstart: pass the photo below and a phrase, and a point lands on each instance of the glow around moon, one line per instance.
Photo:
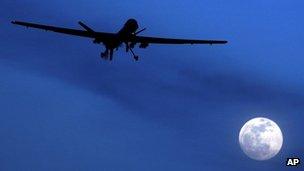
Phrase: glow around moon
(260, 138)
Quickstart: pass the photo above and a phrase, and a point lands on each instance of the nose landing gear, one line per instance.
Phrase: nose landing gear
(130, 47)
(134, 56)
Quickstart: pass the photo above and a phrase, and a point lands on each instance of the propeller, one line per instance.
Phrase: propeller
(136, 33)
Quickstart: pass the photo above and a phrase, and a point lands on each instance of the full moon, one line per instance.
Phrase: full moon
(260, 138)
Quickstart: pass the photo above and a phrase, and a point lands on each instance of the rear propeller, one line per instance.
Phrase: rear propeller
(136, 33)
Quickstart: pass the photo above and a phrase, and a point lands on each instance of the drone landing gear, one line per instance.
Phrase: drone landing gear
(129, 47)
(105, 55)
(134, 56)
(111, 54)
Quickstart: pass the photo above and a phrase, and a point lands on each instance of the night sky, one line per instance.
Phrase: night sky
(179, 108)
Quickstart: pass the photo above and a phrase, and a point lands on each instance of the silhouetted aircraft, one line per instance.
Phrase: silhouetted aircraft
(128, 35)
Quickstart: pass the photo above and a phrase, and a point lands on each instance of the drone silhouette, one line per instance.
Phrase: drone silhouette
(127, 35)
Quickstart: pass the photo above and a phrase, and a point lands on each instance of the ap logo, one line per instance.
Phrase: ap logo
(292, 162)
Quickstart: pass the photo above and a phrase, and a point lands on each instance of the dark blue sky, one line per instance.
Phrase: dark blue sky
(178, 108)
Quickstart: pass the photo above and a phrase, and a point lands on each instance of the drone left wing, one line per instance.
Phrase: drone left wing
(82, 33)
